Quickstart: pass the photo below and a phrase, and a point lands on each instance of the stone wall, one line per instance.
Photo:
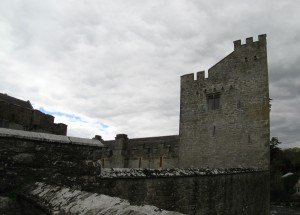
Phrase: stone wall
(151, 152)
(42, 150)
(43, 199)
(224, 119)
(16, 117)
(28, 157)
(213, 193)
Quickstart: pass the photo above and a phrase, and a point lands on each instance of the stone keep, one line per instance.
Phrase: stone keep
(224, 119)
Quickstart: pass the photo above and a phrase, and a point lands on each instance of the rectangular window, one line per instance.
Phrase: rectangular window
(213, 101)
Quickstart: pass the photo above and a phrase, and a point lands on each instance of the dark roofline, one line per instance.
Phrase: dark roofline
(12, 100)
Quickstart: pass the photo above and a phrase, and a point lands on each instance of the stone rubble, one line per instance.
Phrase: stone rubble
(143, 173)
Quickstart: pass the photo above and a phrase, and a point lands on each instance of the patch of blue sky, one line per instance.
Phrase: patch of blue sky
(102, 125)
(70, 116)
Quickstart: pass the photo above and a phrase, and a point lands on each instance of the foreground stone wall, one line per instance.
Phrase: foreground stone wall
(28, 156)
(227, 194)
(43, 199)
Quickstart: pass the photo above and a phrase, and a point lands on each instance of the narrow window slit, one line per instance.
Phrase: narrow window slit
(140, 162)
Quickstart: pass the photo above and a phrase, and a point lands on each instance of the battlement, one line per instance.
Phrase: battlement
(249, 41)
(189, 78)
(231, 62)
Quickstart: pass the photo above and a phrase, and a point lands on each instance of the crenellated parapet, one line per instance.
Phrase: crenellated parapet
(262, 40)
(250, 54)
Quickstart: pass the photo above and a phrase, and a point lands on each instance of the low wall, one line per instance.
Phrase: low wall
(43, 199)
(214, 193)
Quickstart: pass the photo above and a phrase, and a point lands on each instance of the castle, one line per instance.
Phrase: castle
(19, 114)
(218, 164)
(224, 119)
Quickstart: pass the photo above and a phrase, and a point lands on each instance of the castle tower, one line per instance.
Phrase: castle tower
(119, 156)
(224, 119)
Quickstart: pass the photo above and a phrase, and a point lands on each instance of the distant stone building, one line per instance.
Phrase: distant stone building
(19, 114)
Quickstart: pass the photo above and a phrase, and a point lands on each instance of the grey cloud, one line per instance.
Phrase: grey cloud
(119, 62)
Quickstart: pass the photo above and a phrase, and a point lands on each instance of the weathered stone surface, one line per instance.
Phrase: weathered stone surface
(224, 119)
(211, 194)
(24, 158)
(8, 206)
(66, 201)
(85, 141)
(18, 114)
(28, 157)
(149, 152)
(78, 166)
(5, 202)
(10, 133)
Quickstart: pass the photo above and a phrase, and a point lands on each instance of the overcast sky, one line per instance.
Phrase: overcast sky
(113, 66)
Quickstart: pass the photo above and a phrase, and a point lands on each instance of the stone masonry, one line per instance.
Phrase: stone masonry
(29, 157)
(224, 119)
(19, 114)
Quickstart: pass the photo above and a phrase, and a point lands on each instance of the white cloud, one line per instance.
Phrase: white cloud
(119, 62)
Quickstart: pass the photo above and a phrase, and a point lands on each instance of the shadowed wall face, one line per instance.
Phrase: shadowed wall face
(242, 193)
